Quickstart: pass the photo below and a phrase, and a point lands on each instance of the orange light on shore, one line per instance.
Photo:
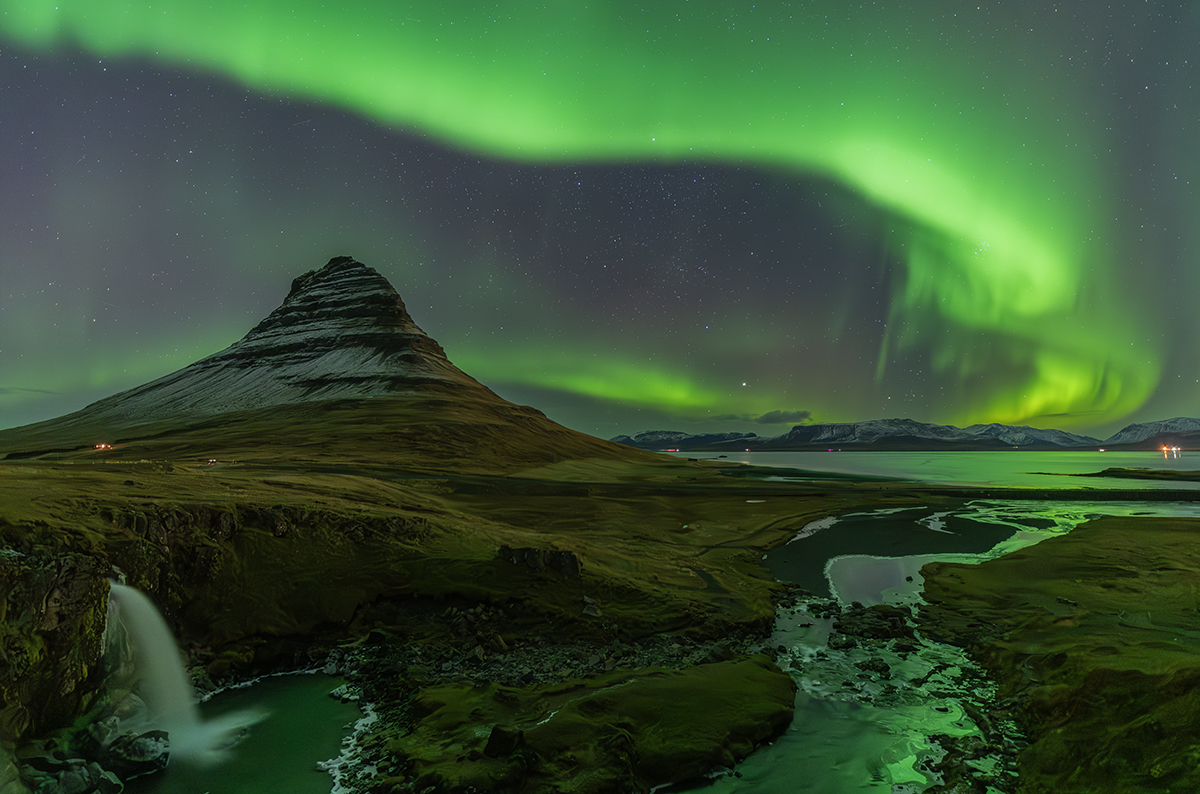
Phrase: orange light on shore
(102, 446)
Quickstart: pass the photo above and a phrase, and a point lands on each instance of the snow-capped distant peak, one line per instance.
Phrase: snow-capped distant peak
(1025, 436)
(675, 439)
(871, 431)
(1137, 433)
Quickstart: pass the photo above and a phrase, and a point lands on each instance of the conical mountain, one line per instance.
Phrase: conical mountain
(341, 332)
(339, 363)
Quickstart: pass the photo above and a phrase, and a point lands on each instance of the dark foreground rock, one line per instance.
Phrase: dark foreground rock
(1093, 639)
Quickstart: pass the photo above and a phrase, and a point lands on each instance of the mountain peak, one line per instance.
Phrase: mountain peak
(341, 332)
(344, 289)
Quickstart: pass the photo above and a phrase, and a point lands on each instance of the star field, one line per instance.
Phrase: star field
(685, 216)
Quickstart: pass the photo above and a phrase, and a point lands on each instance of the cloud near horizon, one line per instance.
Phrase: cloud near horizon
(7, 390)
(1065, 414)
(769, 418)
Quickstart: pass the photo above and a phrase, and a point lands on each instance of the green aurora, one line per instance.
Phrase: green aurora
(987, 160)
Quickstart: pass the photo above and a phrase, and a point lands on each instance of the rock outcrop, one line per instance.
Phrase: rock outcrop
(52, 618)
(564, 563)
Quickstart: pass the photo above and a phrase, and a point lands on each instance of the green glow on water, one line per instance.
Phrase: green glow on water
(988, 162)
(279, 754)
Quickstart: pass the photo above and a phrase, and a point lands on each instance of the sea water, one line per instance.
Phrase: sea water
(996, 468)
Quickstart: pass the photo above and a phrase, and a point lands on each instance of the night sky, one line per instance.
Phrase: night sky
(696, 215)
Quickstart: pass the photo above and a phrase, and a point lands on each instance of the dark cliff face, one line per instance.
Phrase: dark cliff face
(52, 606)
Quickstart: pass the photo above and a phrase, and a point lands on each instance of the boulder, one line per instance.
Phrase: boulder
(564, 563)
(135, 755)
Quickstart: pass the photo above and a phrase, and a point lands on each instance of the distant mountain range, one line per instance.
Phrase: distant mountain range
(1177, 432)
(908, 434)
(674, 439)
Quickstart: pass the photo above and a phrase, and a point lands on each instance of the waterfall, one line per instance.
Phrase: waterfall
(161, 681)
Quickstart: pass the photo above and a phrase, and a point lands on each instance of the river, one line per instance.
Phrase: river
(850, 738)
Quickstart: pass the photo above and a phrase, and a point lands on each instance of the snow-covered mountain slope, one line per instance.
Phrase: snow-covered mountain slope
(877, 434)
(1025, 436)
(341, 332)
(870, 432)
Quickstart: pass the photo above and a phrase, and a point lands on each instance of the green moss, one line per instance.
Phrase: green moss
(50, 639)
(620, 731)
(1097, 636)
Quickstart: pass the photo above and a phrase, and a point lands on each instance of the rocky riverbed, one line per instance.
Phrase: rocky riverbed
(944, 730)
(474, 711)
(444, 714)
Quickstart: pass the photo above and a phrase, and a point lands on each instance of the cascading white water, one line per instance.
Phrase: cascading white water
(161, 681)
